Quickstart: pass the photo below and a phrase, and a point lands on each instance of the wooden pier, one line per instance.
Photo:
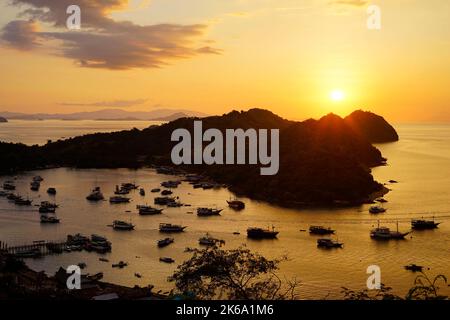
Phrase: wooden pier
(40, 248)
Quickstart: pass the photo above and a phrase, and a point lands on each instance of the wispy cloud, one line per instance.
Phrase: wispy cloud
(356, 3)
(104, 42)
(111, 104)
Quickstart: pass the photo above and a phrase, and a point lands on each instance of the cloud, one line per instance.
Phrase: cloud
(356, 3)
(112, 104)
(103, 42)
(21, 34)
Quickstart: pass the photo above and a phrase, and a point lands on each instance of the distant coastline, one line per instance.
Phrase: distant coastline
(324, 162)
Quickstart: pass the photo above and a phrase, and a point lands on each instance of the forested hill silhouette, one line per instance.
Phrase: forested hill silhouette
(322, 161)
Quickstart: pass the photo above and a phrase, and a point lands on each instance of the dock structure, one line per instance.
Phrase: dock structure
(40, 248)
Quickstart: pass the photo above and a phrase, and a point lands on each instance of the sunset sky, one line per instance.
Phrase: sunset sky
(297, 58)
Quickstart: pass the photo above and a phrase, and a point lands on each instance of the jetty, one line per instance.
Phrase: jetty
(36, 248)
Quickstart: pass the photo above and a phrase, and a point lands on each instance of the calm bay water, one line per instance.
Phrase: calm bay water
(420, 162)
(40, 131)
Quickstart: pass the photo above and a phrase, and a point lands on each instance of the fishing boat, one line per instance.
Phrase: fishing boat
(163, 200)
(51, 191)
(166, 260)
(420, 224)
(122, 225)
(207, 240)
(142, 192)
(148, 210)
(9, 185)
(260, 233)
(320, 230)
(49, 219)
(120, 264)
(168, 227)
(170, 184)
(95, 277)
(155, 190)
(165, 242)
(121, 191)
(236, 204)
(413, 267)
(23, 202)
(38, 179)
(13, 197)
(35, 185)
(119, 199)
(329, 243)
(205, 212)
(166, 192)
(377, 209)
(129, 186)
(29, 253)
(47, 207)
(95, 195)
(384, 233)
(174, 204)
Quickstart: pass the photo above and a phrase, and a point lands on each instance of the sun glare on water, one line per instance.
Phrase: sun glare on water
(337, 95)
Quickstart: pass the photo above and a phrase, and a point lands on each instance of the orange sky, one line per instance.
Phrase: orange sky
(214, 55)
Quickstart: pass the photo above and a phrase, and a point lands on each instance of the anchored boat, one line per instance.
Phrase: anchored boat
(165, 242)
(147, 210)
(260, 233)
(122, 225)
(320, 230)
(420, 224)
(205, 212)
(168, 227)
(95, 195)
(384, 233)
(236, 204)
(329, 243)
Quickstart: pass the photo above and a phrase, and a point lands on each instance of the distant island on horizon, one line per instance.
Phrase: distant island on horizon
(107, 115)
(322, 162)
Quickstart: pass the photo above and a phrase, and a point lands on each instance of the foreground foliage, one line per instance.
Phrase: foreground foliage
(235, 274)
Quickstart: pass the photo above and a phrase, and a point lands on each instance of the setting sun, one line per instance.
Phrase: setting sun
(337, 95)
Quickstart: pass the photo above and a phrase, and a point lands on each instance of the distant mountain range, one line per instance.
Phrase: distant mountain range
(108, 114)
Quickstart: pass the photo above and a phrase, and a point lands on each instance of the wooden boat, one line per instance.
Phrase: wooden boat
(260, 233)
(166, 260)
(168, 227)
(122, 225)
(320, 230)
(420, 224)
(165, 242)
(329, 243)
(206, 212)
(236, 204)
(413, 267)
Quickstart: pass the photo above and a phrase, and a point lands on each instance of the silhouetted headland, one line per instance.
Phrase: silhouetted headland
(322, 162)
